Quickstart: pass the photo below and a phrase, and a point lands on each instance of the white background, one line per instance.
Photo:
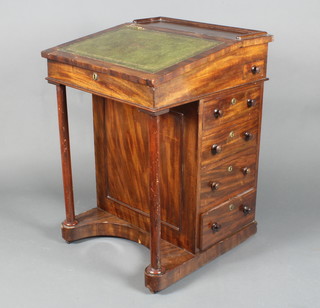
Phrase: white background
(278, 267)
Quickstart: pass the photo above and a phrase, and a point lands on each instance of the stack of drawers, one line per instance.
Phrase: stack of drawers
(229, 158)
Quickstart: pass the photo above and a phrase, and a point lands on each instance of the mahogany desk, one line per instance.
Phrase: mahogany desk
(177, 115)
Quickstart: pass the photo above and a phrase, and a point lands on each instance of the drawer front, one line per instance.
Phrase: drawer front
(100, 84)
(229, 139)
(228, 177)
(226, 219)
(254, 70)
(226, 108)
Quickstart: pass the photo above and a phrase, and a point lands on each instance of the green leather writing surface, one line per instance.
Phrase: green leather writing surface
(142, 49)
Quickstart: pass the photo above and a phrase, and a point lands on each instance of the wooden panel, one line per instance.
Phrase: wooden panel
(105, 85)
(123, 170)
(229, 71)
(231, 182)
(229, 217)
(190, 166)
(171, 170)
(127, 155)
(124, 211)
(231, 106)
(98, 107)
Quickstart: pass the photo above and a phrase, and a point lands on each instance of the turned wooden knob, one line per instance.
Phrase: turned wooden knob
(255, 69)
(246, 210)
(248, 136)
(216, 149)
(251, 102)
(214, 186)
(215, 227)
(246, 170)
(217, 113)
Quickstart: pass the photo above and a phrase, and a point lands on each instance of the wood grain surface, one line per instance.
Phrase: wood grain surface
(176, 150)
(123, 172)
(231, 182)
(233, 106)
(105, 85)
(226, 72)
(229, 216)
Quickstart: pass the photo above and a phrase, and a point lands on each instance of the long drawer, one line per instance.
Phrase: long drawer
(226, 219)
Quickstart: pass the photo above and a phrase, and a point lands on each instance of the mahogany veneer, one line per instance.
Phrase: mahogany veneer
(177, 115)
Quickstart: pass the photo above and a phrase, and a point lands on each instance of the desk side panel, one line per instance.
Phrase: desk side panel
(122, 155)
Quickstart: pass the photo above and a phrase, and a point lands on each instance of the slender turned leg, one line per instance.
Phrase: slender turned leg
(65, 156)
(154, 189)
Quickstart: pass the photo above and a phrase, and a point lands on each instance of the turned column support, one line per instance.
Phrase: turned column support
(65, 156)
(155, 267)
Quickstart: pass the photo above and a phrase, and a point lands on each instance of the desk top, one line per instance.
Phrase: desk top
(152, 48)
(135, 47)
(159, 62)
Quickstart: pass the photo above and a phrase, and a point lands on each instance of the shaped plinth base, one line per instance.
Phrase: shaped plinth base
(97, 222)
(176, 262)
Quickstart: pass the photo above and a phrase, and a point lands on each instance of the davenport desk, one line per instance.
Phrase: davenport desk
(177, 116)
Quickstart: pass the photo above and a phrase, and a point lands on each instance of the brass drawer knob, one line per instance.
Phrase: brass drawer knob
(217, 113)
(248, 136)
(95, 76)
(215, 227)
(232, 207)
(214, 186)
(255, 69)
(246, 170)
(246, 210)
(233, 101)
(216, 149)
(251, 102)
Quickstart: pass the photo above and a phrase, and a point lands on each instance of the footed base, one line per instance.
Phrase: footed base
(176, 262)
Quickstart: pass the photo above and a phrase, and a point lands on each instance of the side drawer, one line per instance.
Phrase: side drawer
(226, 219)
(244, 103)
(230, 139)
(228, 177)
